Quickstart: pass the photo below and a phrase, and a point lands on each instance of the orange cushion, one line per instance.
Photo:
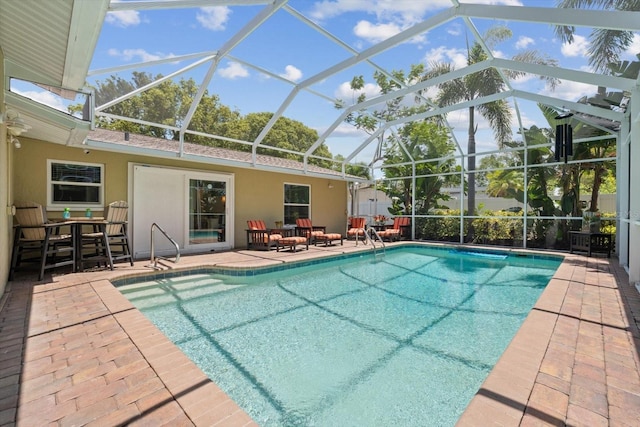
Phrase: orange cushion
(330, 236)
(272, 237)
(358, 222)
(293, 240)
(389, 231)
(353, 231)
(303, 222)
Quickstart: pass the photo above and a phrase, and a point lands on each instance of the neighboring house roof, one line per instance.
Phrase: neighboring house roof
(147, 145)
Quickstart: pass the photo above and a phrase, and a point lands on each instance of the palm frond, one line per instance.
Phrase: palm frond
(535, 57)
(606, 46)
(498, 114)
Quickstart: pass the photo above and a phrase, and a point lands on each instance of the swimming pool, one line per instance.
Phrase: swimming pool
(406, 340)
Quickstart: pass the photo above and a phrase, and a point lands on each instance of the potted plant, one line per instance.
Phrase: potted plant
(591, 221)
(380, 219)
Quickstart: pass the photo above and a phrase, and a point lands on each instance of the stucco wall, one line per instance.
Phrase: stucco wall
(258, 194)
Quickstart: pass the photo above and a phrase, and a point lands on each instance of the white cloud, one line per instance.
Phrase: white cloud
(292, 73)
(233, 71)
(349, 96)
(454, 29)
(458, 57)
(524, 42)
(570, 90)
(577, 48)
(214, 18)
(431, 92)
(526, 122)
(375, 33)
(405, 10)
(498, 54)
(500, 2)
(459, 119)
(143, 55)
(123, 18)
(45, 97)
(346, 130)
(524, 80)
(634, 49)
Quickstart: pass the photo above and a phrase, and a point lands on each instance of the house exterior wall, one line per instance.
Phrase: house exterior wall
(5, 186)
(258, 194)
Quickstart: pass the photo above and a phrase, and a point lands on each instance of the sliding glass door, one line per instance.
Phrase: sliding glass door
(195, 208)
(207, 211)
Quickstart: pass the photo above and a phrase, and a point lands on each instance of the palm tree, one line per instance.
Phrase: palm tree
(478, 85)
(605, 45)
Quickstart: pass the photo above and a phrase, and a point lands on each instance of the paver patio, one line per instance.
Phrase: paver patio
(74, 351)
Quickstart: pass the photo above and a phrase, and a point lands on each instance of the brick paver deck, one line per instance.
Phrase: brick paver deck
(74, 351)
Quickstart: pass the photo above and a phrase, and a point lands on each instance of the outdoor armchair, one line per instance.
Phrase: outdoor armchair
(305, 228)
(259, 237)
(356, 228)
(397, 230)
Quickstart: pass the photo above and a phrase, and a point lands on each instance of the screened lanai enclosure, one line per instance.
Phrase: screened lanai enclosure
(511, 123)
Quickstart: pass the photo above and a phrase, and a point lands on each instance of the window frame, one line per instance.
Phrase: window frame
(59, 206)
(285, 204)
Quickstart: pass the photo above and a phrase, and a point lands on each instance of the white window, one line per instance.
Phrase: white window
(297, 202)
(74, 185)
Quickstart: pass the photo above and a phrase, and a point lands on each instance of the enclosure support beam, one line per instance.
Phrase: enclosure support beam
(634, 196)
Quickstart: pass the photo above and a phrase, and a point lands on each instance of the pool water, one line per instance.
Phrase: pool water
(405, 340)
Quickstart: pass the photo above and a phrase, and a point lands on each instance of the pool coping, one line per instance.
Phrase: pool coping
(527, 384)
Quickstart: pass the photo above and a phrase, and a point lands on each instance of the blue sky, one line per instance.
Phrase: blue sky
(287, 47)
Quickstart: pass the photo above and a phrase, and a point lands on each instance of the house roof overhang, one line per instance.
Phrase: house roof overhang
(51, 44)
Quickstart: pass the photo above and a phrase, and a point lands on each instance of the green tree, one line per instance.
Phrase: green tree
(168, 104)
(286, 134)
(572, 176)
(394, 108)
(419, 141)
(356, 169)
(493, 161)
(508, 182)
(478, 85)
(597, 170)
(605, 45)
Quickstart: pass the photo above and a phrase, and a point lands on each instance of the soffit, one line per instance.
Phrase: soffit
(49, 43)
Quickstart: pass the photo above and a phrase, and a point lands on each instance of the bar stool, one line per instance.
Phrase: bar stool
(110, 243)
(36, 236)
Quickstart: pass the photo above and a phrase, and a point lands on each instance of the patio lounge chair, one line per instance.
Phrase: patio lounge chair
(316, 233)
(259, 237)
(305, 228)
(356, 228)
(36, 236)
(397, 230)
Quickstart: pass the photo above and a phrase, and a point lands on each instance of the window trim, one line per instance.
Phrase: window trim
(59, 206)
(285, 204)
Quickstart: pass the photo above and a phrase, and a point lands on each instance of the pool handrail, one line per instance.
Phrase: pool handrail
(367, 238)
(154, 259)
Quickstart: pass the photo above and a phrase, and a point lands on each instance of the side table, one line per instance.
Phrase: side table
(585, 241)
